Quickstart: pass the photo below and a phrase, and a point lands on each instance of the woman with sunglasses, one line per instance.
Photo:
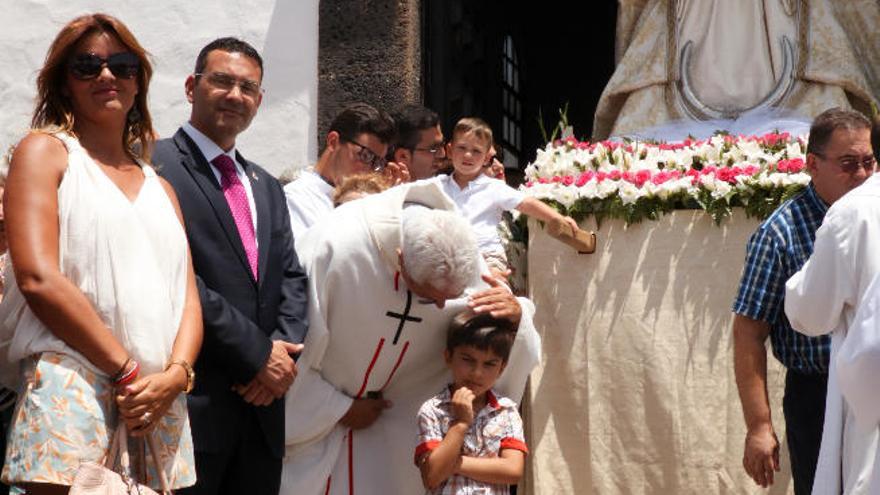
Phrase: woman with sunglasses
(103, 313)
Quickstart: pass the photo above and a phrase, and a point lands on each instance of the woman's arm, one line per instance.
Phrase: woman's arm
(31, 208)
(536, 209)
(507, 469)
(154, 393)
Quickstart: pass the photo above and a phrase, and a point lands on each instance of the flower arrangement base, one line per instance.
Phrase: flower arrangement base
(636, 393)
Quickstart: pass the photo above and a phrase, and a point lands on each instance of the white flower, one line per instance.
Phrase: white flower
(629, 193)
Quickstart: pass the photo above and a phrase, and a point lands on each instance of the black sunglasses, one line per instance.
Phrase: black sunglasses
(366, 156)
(123, 65)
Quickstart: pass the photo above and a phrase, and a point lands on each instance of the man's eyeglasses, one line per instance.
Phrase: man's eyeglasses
(366, 155)
(852, 164)
(85, 66)
(225, 82)
(439, 151)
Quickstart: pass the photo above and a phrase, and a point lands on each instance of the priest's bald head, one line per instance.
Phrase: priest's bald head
(438, 253)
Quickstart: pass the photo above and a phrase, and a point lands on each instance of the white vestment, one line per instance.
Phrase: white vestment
(309, 198)
(359, 342)
(826, 294)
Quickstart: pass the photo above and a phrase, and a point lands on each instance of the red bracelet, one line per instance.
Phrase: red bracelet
(128, 376)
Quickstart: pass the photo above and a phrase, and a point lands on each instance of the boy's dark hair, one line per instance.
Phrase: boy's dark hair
(228, 45)
(482, 331)
(411, 120)
(360, 118)
(831, 120)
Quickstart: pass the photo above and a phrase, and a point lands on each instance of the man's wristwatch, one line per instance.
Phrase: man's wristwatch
(190, 373)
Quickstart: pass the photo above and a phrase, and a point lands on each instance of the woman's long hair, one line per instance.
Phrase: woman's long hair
(53, 107)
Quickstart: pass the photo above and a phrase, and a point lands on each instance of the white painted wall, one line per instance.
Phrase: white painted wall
(285, 32)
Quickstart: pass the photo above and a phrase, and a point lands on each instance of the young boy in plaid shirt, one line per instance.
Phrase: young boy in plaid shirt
(470, 439)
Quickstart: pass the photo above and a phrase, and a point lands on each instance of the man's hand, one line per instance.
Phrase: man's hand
(364, 412)
(279, 371)
(396, 173)
(255, 393)
(761, 455)
(497, 300)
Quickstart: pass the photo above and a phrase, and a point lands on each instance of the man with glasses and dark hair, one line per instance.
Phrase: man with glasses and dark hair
(357, 143)
(839, 159)
(419, 146)
(251, 285)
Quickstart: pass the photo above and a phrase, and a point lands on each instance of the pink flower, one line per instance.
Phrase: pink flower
(600, 176)
(543, 180)
(661, 177)
(556, 179)
(529, 184)
(584, 178)
(641, 177)
(795, 165)
(567, 180)
(614, 175)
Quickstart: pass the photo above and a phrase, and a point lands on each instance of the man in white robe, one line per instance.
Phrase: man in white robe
(378, 330)
(824, 296)
(356, 143)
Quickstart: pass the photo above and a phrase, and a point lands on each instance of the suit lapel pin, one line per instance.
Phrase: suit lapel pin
(254, 175)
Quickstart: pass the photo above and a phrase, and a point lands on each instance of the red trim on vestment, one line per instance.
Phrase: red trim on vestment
(397, 364)
(350, 467)
(396, 281)
(514, 443)
(423, 448)
(327, 491)
(370, 368)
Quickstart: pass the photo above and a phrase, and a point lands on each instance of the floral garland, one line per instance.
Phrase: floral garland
(634, 180)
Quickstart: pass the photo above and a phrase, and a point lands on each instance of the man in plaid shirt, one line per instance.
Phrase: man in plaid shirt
(776, 250)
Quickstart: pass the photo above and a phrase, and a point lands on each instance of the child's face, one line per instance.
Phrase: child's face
(474, 368)
(468, 154)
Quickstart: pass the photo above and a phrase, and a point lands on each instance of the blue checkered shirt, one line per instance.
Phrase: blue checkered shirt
(776, 251)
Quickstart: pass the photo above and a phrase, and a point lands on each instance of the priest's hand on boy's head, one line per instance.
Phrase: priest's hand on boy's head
(497, 300)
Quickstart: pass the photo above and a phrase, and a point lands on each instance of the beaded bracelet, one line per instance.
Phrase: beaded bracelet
(129, 376)
(121, 369)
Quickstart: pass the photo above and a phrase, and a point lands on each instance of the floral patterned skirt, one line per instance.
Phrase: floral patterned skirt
(66, 415)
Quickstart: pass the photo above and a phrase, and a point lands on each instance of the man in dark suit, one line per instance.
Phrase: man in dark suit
(252, 288)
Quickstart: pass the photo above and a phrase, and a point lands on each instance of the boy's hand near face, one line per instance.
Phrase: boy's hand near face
(463, 406)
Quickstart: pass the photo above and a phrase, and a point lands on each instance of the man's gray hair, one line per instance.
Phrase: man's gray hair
(439, 248)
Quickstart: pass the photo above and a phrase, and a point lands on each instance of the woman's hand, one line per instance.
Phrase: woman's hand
(145, 401)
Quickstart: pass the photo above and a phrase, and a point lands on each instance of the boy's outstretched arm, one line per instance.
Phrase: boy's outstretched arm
(536, 209)
(507, 469)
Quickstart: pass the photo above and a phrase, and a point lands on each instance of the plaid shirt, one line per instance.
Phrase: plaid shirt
(776, 251)
(497, 426)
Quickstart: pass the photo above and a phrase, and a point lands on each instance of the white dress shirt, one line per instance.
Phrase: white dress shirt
(482, 201)
(211, 151)
(309, 198)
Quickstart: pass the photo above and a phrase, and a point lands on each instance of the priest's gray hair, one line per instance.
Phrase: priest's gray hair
(439, 248)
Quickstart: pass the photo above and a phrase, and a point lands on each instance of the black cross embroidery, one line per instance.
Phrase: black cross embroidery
(405, 317)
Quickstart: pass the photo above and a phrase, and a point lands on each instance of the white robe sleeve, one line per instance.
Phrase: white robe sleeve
(858, 359)
(524, 355)
(816, 296)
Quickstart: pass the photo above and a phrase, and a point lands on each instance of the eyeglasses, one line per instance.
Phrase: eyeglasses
(439, 151)
(84, 66)
(225, 82)
(852, 164)
(366, 155)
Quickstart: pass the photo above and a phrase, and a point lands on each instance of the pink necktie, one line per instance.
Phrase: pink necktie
(236, 198)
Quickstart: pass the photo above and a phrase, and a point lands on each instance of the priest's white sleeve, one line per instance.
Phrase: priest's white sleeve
(858, 359)
(524, 355)
(816, 296)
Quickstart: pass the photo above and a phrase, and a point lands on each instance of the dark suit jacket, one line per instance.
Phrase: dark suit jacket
(241, 316)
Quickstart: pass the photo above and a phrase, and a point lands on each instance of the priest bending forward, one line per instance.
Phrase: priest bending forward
(387, 275)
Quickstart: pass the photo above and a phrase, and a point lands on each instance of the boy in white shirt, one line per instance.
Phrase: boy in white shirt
(482, 199)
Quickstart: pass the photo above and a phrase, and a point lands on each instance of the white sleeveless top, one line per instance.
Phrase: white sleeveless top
(128, 258)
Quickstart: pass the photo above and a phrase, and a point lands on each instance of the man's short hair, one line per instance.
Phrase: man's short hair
(483, 331)
(228, 45)
(476, 126)
(831, 120)
(439, 249)
(875, 136)
(360, 118)
(411, 120)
